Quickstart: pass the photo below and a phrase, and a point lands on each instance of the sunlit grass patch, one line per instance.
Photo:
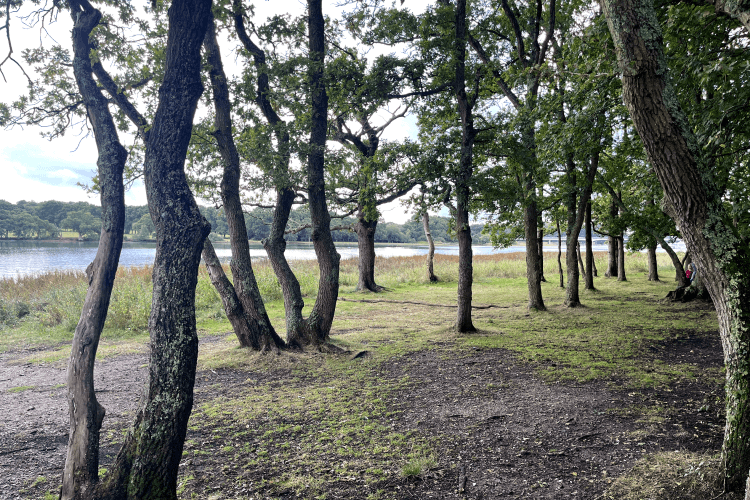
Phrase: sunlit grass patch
(675, 475)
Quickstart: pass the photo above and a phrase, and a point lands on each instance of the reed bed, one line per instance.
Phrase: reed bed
(54, 299)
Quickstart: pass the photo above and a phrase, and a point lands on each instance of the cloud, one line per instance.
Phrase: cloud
(64, 174)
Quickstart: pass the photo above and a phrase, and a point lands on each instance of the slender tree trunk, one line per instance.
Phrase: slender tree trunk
(621, 258)
(612, 250)
(653, 271)
(365, 230)
(559, 254)
(321, 318)
(431, 253)
(463, 192)
(689, 186)
(580, 259)
(256, 330)
(590, 267)
(86, 414)
(540, 242)
(146, 466)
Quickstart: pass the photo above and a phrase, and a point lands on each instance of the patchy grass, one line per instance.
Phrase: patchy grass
(671, 476)
(21, 388)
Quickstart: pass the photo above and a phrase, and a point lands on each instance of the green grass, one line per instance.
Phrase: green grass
(21, 388)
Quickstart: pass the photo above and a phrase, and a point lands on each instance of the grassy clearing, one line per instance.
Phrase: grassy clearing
(339, 411)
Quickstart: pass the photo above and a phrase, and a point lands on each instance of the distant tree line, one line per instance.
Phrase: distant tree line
(32, 220)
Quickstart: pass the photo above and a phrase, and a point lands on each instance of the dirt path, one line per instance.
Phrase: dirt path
(502, 432)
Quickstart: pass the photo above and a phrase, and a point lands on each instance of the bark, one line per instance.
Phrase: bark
(146, 466)
(540, 242)
(320, 319)
(463, 192)
(612, 250)
(580, 259)
(86, 414)
(621, 258)
(576, 217)
(251, 325)
(365, 230)
(314, 330)
(590, 267)
(431, 253)
(559, 254)
(689, 186)
(653, 271)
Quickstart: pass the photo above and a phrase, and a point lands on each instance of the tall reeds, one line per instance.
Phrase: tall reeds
(55, 298)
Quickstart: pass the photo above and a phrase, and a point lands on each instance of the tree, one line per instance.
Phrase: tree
(144, 227)
(82, 222)
(694, 194)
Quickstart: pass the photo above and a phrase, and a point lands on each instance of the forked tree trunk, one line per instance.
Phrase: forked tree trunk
(255, 328)
(463, 191)
(146, 466)
(321, 318)
(365, 230)
(431, 252)
(86, 414)
(590, 267)
(314, 330)
(686, 176)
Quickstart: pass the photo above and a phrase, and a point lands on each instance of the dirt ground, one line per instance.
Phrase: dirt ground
(521, 439)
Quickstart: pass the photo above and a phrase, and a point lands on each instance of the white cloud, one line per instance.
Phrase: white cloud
(64, 173)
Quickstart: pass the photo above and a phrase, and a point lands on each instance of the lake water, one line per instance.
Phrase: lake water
(20, 258)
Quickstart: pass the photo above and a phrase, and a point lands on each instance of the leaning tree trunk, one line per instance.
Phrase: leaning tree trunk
(463, 192)
(256, 330)
(86, 414)
(590, 268)
(431, 252)
(365, 230)
(580, 259)
(689, 186)
(146, 466)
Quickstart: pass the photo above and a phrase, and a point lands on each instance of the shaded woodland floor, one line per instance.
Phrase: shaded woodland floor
(448, 417)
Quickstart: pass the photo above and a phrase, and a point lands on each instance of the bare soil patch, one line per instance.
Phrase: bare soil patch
(499, 432)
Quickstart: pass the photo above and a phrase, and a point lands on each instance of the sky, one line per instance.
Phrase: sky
(36, 169)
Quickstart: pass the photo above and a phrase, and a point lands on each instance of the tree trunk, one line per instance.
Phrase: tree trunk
(580, 259)
(86, 414)
(321, 317)
(533, 274)
(559, 254)
(540, 242)
(621, 258)
(365, 230)
(256, 330)
(612, 250)
(653, 271)
(590, 267)
(146, 466)
(689, 186)
(463, 191)
(431, 253)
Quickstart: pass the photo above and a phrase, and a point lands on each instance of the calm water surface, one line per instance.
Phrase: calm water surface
(20, 258)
